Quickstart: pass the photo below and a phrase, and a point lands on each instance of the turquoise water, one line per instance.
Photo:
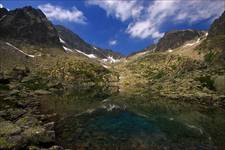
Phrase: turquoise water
(93, 119)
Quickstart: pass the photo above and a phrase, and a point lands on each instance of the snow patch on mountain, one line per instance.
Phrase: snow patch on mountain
(62, 41)
(170, 50)
(94, 47)
(9, 44)
(110, 59)
(91, 56)
(67, 49)
(88, 55)
(191, 44)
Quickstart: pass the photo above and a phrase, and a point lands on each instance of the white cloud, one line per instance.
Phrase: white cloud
(121, 9)
(112, 42)
(58, 13)
(161, 12)
(149, 25)
(1, 6)
(143, 29)
(147, 17)
(194, 10)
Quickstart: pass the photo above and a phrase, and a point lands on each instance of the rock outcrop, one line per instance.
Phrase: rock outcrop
(218, 27)
(175, 39)
(29, 25)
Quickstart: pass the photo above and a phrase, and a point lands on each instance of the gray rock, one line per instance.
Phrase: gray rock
(39, 134)
(42, 92)
(27, 121)
(33, 148)
(56, 147)
(14, 113)
(14, 92)
(219, 83)
(14, 142)
(50, 125)
(8, 128)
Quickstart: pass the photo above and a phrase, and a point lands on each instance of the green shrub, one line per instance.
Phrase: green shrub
(206, 81)
(209, 57)
(159, 75)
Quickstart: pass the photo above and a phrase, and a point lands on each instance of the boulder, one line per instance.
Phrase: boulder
(27, 121)
(42, 92)
(174, 39)
(14, 113)
(8, 128)
(56, 147)
(38, 134)
(30, 25)
(8, 143)
(19, 73)
(219, 84)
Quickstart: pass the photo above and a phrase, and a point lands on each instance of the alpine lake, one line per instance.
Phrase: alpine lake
(103, 118)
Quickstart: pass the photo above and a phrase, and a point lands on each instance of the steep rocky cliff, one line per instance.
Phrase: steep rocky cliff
(177, 38)
(218, 27)
(29, 25)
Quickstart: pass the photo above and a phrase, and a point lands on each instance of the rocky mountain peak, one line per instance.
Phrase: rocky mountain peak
(177, 38)
(28, 24)
(3, 12)
(72, 41)
(217, 27)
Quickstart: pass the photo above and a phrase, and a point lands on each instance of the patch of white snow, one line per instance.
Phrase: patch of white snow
(110, 59)
(191, 44)
(198, 40)
(94, 47)
(62, 41)
(32, 56)
(67, 49)
(91, 56)
(170, 50)
(88, 55)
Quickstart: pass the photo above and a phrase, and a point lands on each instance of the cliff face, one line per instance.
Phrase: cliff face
(217, 27)
(29, 25)
(175, 39)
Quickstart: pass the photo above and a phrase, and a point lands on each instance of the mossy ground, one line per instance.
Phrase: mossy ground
(169, 75)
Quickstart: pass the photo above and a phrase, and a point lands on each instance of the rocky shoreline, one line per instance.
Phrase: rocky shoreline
(22, 124)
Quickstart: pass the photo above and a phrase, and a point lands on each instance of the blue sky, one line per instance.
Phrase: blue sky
(125, 26)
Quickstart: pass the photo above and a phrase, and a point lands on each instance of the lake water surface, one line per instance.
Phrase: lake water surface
(100, 119)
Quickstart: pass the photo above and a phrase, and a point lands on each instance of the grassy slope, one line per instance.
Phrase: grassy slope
(173, 75)
(213, 50)
(53, 63)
